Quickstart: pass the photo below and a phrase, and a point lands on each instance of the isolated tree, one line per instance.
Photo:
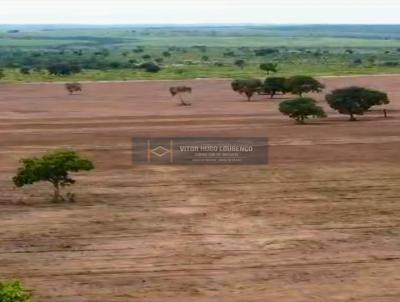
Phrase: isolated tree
(179, 91)
(53, 167)
(25, 70)
(355, 100)
(301, 109)
(14, 291)
(275, 85)
(371, 60)
(73, 87)
(166, 54)
(2, 75)
(303, 84)
(269, 67)
(205, 58)
(249, 87)
(240, 63)
(150, 67)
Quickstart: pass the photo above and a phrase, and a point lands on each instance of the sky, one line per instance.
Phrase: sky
(199, 11)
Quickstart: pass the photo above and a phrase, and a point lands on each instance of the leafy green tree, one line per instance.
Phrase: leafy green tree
(53, 167)
(13, 291)
(274, 85)
(301, 109)
(205, 58)
(269, 67)
(355, 100)
(150, 67)
(240, 63)
(303, 84)
(247, 86)
(166, 54)
(2, 75)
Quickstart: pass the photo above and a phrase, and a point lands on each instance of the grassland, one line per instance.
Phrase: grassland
(197, 52)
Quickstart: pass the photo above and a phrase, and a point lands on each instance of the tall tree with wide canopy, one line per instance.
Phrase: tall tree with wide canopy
(303, 84)
(355, 100)
(249, 87)
(53, 167)
(274, 85)
(301, 109)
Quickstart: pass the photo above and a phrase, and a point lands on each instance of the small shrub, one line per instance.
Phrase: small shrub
(13, 291)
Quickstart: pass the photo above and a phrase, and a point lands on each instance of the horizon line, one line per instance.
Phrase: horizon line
(198, 24)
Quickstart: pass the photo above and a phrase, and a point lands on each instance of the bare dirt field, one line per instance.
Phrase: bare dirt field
(321, 222)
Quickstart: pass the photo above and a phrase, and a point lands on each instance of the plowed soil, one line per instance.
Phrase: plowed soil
(321, 222)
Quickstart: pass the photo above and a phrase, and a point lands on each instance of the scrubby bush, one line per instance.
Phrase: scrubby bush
(25, 70)
(240, 63)
(73, 87)
(14, 291)
(229, 53)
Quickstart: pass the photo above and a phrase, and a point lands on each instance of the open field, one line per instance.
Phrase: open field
(189, 52)
(321, 222)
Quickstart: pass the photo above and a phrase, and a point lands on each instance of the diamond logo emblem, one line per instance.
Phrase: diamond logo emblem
(160, 151)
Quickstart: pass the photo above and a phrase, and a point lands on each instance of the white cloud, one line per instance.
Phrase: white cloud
(199, 11)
